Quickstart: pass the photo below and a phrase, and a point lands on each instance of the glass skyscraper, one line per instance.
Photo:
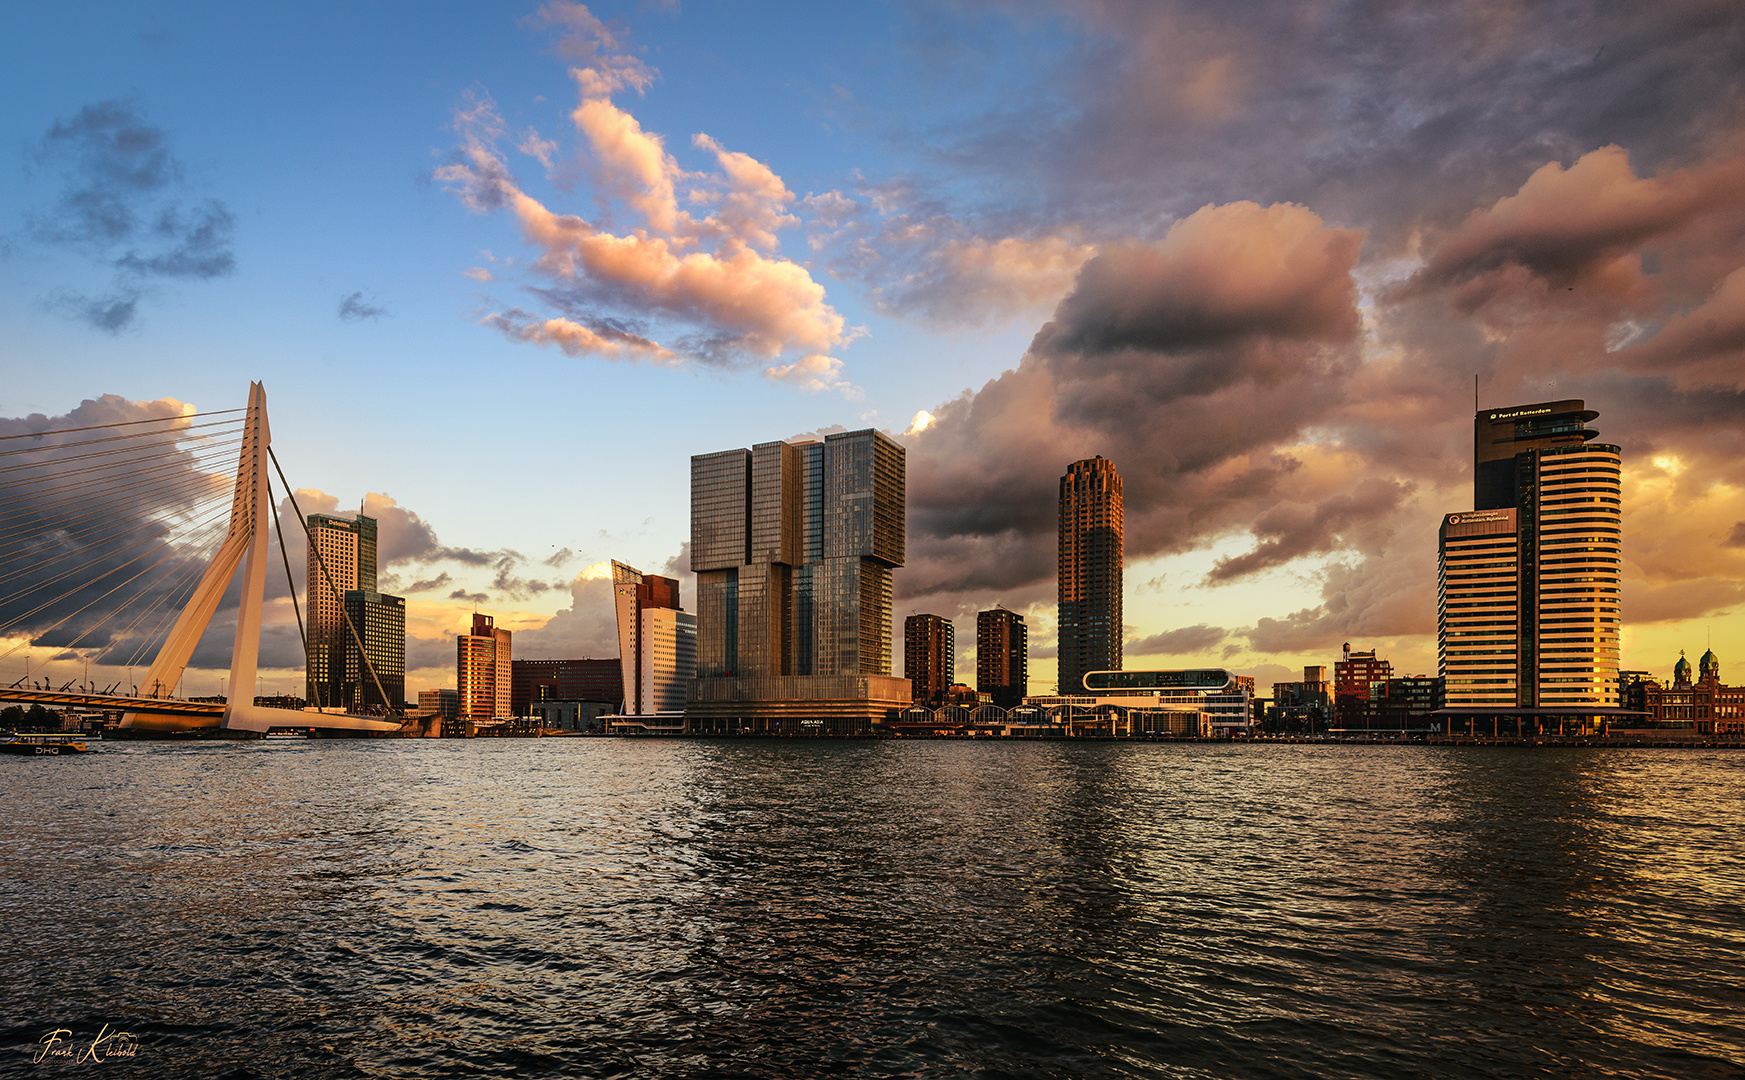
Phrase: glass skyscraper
(1091, 539)
(347, 548)
(1528, 612)
(793, 545)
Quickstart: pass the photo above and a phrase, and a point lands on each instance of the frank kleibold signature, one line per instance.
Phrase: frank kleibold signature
(59, 1045)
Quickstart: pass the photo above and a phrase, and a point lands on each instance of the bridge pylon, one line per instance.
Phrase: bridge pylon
(245, 545)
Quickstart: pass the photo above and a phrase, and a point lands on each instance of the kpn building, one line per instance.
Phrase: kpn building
(794, 545)
(1529, 580)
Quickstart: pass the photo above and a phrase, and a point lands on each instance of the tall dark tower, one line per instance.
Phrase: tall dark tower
(1529, 612)
(929, 657)
(1002, 657)
(1091, 540)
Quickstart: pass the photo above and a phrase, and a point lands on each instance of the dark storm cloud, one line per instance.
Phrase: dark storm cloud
(353, 307)
(1190, 363)
(99, 539)
(118, 205)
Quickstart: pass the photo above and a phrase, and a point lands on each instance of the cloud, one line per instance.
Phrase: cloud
(354, 308)
(1184, 641)
(1568, 225)
(118, 207)
(712, 289)
(477, 273)
(1193, 363)
(101, 542)
(558, 557)
(814, 373)
(441, 580)
(587, 628)
(475, 598)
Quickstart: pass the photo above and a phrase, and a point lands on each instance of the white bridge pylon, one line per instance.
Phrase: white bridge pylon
(245, 545)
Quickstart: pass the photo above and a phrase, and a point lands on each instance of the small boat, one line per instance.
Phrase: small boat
(47, 745)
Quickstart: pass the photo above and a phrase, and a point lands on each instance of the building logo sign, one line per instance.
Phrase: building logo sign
(1478, 517)
(1512, 414)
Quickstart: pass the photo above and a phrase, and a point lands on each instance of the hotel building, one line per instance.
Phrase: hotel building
(1528, 591)
(657, 642)
(929, 657)
(793, 545)
(1002, 657)
(1090, 562)
(347, 547)
(484, 672)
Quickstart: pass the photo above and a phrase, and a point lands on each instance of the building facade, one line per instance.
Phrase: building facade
(794, 545)
(1528, 612)
(1356, 678)
(535, 681)
(929, 658)
(381, 625)
(346, 549)
(1091, 538)
(657, 642)
(1697, 701)
(484, 671)
(1002, 656)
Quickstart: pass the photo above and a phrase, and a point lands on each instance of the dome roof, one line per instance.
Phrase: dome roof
(1709, 662)
(1681, 670)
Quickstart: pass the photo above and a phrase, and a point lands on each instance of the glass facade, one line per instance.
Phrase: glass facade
(381, 624)
(346, 547)
(794, 545)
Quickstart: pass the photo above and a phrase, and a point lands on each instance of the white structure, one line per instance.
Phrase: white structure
(245, 545)
(657, 642)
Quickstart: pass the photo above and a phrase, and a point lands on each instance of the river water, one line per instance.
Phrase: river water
(668, 908)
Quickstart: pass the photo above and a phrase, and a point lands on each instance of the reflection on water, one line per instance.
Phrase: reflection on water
(677, 908)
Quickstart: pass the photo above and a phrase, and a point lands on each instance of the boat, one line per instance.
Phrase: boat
(46, 745)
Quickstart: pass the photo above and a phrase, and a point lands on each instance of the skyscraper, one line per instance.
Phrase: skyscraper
(348, 548)
(793, 545)
(381, 625)
(1091, 538)
(657, 641)
(484, 674)
(1529, 581)
(929, 658)
(1002, 656)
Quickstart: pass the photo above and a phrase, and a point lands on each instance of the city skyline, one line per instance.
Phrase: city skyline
(1179, 238)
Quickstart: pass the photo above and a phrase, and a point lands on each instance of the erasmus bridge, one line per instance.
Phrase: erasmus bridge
(104, 533)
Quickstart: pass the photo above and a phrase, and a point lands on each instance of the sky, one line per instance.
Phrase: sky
(503, 268)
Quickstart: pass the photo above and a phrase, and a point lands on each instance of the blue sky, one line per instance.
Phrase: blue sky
(1309, 226)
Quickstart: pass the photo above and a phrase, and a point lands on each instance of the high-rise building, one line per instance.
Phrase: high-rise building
(1002, 657)
(1091, 538)
(1529, 581)
(484, 673)
(929, 658)
(657, 642)
(381, 625)
(347, 548)
(793, 545)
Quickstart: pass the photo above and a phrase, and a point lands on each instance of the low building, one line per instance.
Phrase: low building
(534, 681)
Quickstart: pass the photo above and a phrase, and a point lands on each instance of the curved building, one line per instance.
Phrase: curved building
(1528, 612)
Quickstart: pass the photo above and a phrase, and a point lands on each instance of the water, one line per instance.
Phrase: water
(663, 908)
